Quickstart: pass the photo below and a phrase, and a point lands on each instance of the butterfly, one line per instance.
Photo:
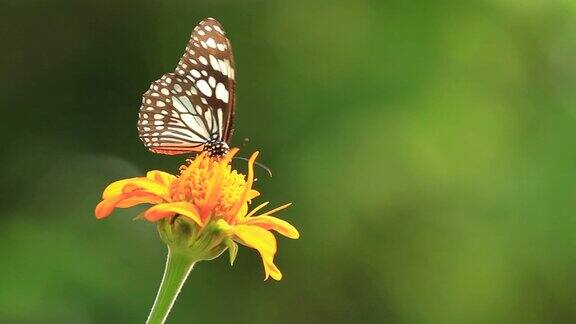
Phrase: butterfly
(191, 110)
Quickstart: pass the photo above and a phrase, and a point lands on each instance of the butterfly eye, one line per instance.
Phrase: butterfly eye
(186, 109)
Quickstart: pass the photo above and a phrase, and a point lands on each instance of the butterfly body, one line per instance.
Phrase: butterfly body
(216, 148)
(191, 110)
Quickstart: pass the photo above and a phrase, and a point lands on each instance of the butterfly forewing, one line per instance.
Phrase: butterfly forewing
(183, 110)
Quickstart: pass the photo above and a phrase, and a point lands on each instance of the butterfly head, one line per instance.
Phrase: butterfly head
(216, 148)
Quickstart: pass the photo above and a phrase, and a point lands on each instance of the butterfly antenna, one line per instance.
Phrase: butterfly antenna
(263, 166)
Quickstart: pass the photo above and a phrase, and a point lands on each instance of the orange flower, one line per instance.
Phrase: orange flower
(204, 210)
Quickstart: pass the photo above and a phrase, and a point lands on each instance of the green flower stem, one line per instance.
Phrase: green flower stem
(178, 266)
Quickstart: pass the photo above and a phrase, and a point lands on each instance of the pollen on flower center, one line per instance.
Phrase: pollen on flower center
(209, 182)
(233, 185)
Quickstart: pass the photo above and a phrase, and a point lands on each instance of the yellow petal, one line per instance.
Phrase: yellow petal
(161, 177)
(115, 188)
(243, 210)
(170, 209)
(277, 209)
(253, 194)
(272, 223)
(125, 200)
(247, 189)
(106, 206)
(134, 184)
(213, 192)
(255, 210)
(148, 185)
(263, 241)
(139, 198)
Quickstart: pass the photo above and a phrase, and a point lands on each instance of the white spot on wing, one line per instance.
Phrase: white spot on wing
(196, 124)
(208, 116)
(180, 105)
(203, 86)
(186, 109)
(221, 92)
(191, 137)
(210, 42)
(214, 63)
(224, 66)
(219, 113)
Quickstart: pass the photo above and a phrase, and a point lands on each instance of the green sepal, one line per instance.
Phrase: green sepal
(164, 230)
(139, 216)
(232, 250)
(186, 237)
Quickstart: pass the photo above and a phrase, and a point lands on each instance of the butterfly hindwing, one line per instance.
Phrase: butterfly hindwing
(183, 110)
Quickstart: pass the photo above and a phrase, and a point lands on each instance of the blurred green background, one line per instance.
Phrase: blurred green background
(428, 148)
